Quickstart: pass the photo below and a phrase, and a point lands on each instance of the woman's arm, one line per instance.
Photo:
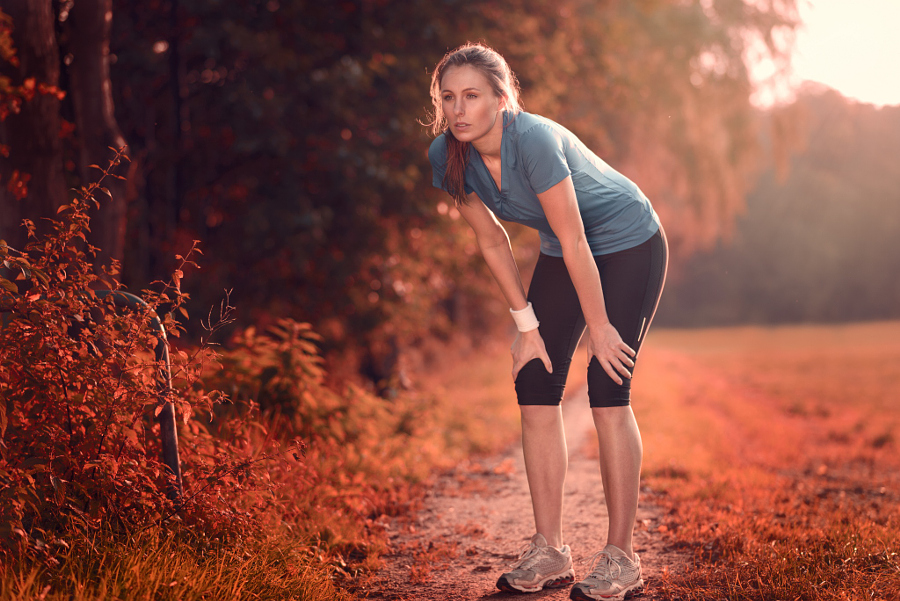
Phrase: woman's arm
(494, 245)
(561, 208)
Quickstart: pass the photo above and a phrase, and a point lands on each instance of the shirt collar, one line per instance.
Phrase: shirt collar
(509, 156)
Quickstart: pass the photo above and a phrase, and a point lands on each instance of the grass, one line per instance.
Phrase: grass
(161, 568)
(775, 452)
(320, 530)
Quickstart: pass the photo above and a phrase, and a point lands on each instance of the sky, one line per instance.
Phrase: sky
(852, 46)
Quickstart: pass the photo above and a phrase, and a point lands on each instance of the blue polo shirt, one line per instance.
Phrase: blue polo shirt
(536, 154)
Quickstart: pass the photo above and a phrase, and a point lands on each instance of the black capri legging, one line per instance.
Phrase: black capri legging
(632, 282)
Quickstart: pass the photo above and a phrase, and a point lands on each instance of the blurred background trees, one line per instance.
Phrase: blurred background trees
(32, 165)
(286, 136)
(816, 244)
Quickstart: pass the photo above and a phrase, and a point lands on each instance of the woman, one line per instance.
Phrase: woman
(602, 266)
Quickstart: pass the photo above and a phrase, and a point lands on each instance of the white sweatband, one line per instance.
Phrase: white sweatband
(525, 318)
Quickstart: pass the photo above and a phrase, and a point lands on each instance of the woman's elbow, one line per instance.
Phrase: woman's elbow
(494, 239)
(575, 245)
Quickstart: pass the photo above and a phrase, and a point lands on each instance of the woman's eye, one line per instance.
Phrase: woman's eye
(473, 96)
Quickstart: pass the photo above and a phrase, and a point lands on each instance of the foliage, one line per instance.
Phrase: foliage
(72, 398)
(78, 390)
(364, 454)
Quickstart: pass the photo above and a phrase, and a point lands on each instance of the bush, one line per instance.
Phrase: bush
(79, 387)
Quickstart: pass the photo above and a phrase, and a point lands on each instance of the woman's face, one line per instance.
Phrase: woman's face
(469, 103)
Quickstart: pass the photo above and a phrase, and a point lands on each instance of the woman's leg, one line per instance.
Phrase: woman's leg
(546, 462)
(540, 393)
(621, 453)
(632, 284)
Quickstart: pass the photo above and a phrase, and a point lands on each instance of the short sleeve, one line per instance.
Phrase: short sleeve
(437, 154)
(543, 156)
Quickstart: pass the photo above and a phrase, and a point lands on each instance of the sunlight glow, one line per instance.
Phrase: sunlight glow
(852, 47)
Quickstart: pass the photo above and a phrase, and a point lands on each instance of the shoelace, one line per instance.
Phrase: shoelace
(603, 571)
(526, 553)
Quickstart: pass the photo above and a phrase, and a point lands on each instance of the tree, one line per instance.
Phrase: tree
(31, 173)
(815, 245)
(36, 134)
(285, 136)
(87, 33)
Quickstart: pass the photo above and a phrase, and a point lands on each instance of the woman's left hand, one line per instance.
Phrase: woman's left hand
(615, 357)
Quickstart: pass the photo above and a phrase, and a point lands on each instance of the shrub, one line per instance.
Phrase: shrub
(79, 387)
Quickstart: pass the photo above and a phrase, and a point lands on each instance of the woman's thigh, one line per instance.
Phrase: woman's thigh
(632, 282)
(557, 307)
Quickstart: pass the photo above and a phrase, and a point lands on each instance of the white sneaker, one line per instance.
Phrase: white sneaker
(612, 577)
(538, 566)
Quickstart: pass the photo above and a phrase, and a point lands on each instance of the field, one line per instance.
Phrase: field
(774, 451)
(770, 472)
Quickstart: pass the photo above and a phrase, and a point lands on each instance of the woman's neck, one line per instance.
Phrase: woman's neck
(488, 146)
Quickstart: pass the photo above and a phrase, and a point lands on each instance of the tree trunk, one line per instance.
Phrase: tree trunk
(89, 26)
(33, 134)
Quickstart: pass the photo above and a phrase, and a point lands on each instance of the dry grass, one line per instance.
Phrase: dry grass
(321, 529)
(775, 451)
(154, 568)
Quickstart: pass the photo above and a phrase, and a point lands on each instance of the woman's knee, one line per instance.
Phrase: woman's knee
(613, 417)
(540, 415)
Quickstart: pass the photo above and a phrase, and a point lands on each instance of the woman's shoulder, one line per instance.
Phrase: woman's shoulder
(535, 131)
(530, 125)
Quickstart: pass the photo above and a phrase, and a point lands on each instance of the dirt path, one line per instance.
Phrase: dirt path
(474, 521)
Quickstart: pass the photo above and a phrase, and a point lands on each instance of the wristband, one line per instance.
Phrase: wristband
(525, 319)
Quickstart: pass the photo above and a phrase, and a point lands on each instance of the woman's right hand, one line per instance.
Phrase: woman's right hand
(527, 346)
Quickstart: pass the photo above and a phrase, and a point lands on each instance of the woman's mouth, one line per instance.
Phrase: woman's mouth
(461, 125)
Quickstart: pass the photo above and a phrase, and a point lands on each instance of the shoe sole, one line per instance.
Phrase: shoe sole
(635, 590)
(558, 581)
